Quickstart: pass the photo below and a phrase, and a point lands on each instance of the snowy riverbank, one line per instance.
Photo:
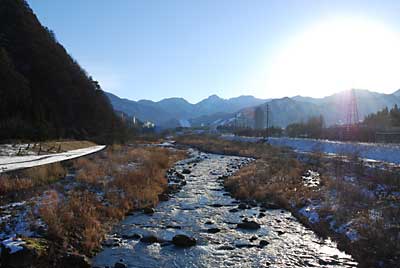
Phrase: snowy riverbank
(9, 163)
(372, 151)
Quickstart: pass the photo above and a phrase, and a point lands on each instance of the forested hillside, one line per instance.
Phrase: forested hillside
(44, 93)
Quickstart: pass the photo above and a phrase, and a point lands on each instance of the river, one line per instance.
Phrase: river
(202, 209)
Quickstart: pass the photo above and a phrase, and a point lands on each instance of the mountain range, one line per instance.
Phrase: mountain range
(172, 112)
(214, 110)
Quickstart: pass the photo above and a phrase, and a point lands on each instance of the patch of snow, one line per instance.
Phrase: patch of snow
(13, 244)
(8, 163)
(311, 179)
(370, 152)
(348, 231)
(310, 211)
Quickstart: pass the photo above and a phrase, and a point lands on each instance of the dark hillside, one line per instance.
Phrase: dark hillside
(44, 93)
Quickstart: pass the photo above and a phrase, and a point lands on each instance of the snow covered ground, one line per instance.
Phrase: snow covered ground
(371, 151)
(9, 163)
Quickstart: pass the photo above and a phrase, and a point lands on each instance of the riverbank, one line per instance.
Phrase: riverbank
(68, 218)
(373, 153)
(215, 229)
(354, 205)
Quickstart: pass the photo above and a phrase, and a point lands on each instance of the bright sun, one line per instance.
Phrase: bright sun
(337, 55)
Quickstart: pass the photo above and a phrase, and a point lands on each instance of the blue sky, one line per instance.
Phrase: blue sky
(192, 49)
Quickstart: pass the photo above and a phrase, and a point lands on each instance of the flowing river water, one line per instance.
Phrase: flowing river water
(202, 209)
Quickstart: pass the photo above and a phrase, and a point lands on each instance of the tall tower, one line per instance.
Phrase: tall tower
(352, 110)
(352, 118)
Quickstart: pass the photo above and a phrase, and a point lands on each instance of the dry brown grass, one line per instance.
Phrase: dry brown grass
(31, 177)
(271, 182)
(81, 219)
(77, 222)
(276, 176)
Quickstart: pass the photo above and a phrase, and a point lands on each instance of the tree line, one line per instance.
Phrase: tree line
(44, 93)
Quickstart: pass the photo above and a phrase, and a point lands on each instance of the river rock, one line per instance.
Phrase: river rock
(18, 253)
(263, 243)
(261, 215)
(72, 260)
(120, 265)
(132, 236)
(180, 176)
(233, 210)
(226, 247)
(173, 227)
(253, 238)
(243, 206)
(20, 259)
(270, 205)
(148, 211)
(186, 171)
(150, 239)
(213, 230)
(252, 203)
(163, 197)
(183, 241)
(216, 205)
(249, 225)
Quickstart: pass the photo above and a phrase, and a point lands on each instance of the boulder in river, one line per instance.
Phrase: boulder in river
(148, 211)
(72, 260)
(180, 176)
(173, 227)
(131, 236)
(253, 238)
(120, 265)
(181, 240)
(186, 171)
(213, 230)
(263, 243)
(226, 247)
(243, 206)
(18, 253)
(269, 205)
(150, 239)
(248, 225)
(163, 197)
(261, 215)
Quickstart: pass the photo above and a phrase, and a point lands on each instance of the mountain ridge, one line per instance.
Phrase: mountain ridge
(215, 110)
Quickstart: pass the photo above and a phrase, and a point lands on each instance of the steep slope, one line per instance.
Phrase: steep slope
(44, 92)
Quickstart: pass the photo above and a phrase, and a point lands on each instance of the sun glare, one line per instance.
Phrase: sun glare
(337, 55)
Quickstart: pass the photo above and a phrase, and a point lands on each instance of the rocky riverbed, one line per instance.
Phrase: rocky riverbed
(201, 225)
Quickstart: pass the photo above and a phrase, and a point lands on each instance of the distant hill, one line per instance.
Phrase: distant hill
(44, 93)
(214, 111)
(333, 108)
(174, 112)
